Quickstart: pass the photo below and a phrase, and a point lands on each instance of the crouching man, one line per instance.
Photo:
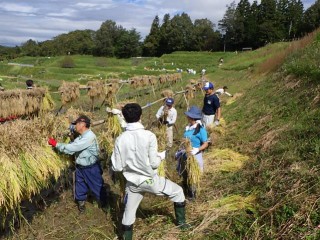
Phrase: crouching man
(136, 155)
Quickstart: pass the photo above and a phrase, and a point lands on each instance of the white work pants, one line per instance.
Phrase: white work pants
(159, 186)
(169, 136)
(207, 120)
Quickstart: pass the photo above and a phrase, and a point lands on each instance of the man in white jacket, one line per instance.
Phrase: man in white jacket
(167, 115)
(136, 155)
(222, 91)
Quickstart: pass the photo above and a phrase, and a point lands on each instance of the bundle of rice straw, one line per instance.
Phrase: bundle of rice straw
(162, 78)
(161, 134)
(24, 102)
(193, 168)
(167, 93)
(69, 92)
(189, 91)
(96, 89)
(153, 80)
(27, 162)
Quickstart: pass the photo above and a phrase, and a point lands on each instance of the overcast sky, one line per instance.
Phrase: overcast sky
(42, 20)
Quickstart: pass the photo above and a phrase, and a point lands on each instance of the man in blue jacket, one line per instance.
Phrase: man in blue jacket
(88, 173)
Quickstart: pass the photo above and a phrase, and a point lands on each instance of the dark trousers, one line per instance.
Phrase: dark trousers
(89, 178)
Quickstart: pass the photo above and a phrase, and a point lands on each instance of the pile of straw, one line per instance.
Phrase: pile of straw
(69, 92)
(225, 160)
(24, 102)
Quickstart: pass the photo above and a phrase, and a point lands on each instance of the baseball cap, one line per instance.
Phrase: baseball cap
(82, 118)
(169, 101)
(208, 85)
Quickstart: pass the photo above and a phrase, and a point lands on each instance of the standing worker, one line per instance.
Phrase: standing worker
(136, 155)
(222, 91)
(88, 173)
(211, 106)
(167, 115)
(29, 84)
(198, 137)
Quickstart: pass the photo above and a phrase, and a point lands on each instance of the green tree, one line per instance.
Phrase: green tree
(181, 37)
(228, 26)
(30, 48)
(128, 45)
(165, 29)
(268, 29)
(105, 38)
(311, 18)
(206, 38)
(152, 41)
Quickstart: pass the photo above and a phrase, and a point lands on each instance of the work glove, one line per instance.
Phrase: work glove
(194, 151)
(162, 155)
(115, 111)
(52, 142)
(216, 122)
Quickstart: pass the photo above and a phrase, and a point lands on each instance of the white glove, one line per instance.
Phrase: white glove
(194, 151)
(115, 111)
(162, 155)
(108, 109)
(216, 122)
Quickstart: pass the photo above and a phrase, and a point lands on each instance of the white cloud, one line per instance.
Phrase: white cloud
(14, 7)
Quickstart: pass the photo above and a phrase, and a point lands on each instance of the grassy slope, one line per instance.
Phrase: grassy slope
(274, 120)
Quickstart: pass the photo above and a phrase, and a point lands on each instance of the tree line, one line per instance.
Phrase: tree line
(243, 25)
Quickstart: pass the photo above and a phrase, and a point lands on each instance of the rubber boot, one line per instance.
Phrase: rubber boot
(81, 206)
(127, 232)
(191, 193)
(179, 210)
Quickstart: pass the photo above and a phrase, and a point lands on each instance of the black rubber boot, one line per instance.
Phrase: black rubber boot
(127, 232)
(191, 194)
(82, 206)
(179, 209)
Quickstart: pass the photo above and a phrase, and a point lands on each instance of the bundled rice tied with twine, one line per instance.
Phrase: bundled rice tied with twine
(161, 134)
(215, 132)
(167, 93)
(189, 91)
(69, 92)
(192, 166)
(24, 102)
(162, 78)
(153, 80)
(27, 162)
(110, 91)
(96, 89)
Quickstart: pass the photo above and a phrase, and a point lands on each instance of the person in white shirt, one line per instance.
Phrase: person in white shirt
(136, 155)
(167, 115)
(222, 91)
